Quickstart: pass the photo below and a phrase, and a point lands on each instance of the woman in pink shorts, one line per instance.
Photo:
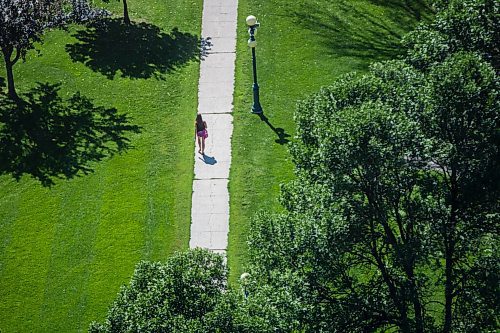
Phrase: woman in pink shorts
(200, 129)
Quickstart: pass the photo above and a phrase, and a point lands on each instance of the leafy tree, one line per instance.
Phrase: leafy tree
(126, 18)
(460, 25)
(185, 294)
(23, 22)
(354, 254)
(464, 140)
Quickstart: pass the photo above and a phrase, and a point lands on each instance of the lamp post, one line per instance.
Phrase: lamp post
(244, 282)
(252, 29)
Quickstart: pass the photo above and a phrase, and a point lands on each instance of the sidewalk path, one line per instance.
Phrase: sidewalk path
(210, 206)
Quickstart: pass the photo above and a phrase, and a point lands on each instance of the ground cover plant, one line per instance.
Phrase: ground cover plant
(67, 244)
(302, 45)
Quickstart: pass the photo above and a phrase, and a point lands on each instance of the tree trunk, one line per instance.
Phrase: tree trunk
(449, 239)
(126, 18)
(417, 305)
(404, 324)
(9, 64)
(399, 302)
(448, 292)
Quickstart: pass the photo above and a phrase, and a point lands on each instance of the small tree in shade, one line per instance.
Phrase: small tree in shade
(23, 22)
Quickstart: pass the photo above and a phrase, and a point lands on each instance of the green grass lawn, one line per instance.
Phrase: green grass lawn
(66, 249)
(302, 45)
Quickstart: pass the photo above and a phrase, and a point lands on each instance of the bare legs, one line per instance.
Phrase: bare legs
(201, 145)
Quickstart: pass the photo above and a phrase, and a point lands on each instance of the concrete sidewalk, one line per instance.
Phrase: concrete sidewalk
(210, 206)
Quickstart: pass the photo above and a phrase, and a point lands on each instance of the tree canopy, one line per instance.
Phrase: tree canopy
(394, 212)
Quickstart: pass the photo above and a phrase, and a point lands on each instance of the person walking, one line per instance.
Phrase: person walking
(200, 129)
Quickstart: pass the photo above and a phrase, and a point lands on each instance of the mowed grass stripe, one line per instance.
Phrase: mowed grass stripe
(26, 261)
(119, 238)
(66, 293)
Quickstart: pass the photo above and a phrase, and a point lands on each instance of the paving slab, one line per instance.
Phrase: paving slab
(221, 3)
(213, 105)
(213, 223)
(219, 29)
(211, 240)
(221, 171)
(212, 8)
(218, 60)
(220, 122)
(211, 187)
(222, 45)
(214, 74)
(219, 88)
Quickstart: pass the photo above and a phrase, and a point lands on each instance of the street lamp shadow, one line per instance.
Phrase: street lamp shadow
(280, 132)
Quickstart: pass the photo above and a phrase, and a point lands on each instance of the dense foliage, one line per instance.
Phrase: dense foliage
(469, 25)
(393, 217)
(23, 22)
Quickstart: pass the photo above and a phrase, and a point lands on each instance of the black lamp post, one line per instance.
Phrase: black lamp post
(244, 282)
(253, 25)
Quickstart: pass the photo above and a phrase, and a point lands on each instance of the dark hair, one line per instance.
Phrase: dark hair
(199, 120)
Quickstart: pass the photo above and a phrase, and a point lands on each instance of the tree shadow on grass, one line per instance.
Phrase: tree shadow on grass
(139, 50)
(350, 30)
(418, 9)
(47, 137)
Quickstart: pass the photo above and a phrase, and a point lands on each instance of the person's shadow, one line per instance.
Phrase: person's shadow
(208, 159)
(280, 132)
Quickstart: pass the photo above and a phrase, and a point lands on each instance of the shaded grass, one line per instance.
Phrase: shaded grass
(65, 250)
(302, 45)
